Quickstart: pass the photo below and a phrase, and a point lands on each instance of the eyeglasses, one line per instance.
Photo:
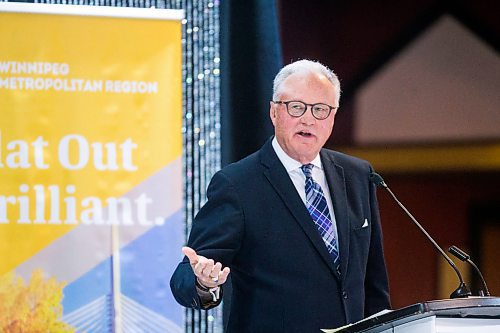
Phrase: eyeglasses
(320, 111)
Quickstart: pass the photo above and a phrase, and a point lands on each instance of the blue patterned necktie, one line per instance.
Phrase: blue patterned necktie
(318, 209)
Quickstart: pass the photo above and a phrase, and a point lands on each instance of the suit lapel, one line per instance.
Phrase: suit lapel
(336, 182)
(277, 175)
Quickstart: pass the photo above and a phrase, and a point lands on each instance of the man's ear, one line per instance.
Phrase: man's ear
(272, 111)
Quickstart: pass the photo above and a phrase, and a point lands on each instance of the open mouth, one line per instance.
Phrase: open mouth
(304, 134)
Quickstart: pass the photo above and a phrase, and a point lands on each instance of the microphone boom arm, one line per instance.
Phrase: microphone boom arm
(462, 290)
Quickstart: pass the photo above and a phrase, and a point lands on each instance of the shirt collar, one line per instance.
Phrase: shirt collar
(289, 163)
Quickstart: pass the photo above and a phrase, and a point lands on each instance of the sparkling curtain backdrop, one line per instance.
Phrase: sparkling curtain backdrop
(201, 111)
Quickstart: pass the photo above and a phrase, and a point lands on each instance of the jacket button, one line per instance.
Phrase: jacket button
(344, 294)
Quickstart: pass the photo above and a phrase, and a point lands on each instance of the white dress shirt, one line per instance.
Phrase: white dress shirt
(299, 179)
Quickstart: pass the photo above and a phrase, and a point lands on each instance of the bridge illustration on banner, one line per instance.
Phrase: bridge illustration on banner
(97, 316)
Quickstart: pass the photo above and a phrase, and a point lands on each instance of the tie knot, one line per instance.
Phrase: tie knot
(307, 170)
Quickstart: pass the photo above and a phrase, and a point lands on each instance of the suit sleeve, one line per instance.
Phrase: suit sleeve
(216, 233)
(376, 282)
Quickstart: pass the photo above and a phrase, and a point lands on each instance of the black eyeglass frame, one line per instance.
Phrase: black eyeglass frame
(305, 110)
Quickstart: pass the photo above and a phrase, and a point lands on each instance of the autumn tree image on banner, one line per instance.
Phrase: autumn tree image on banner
(34, 306)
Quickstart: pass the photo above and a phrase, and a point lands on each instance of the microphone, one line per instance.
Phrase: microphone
(461, 255)
(462, 291)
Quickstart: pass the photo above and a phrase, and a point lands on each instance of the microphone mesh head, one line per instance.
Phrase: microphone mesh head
(377, 179)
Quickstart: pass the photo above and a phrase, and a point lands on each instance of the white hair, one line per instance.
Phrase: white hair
(305, 66)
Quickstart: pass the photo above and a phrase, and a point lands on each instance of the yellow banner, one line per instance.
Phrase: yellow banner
(90, 109)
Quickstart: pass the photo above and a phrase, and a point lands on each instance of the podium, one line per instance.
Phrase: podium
(465, 315)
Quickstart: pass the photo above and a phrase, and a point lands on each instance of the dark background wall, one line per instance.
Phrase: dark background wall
(447, 205)
(357, 39)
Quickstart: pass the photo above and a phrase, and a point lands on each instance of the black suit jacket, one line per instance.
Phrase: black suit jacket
(283, 277)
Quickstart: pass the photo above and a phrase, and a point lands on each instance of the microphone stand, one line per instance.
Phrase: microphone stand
(461, 255)
(462, 291)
